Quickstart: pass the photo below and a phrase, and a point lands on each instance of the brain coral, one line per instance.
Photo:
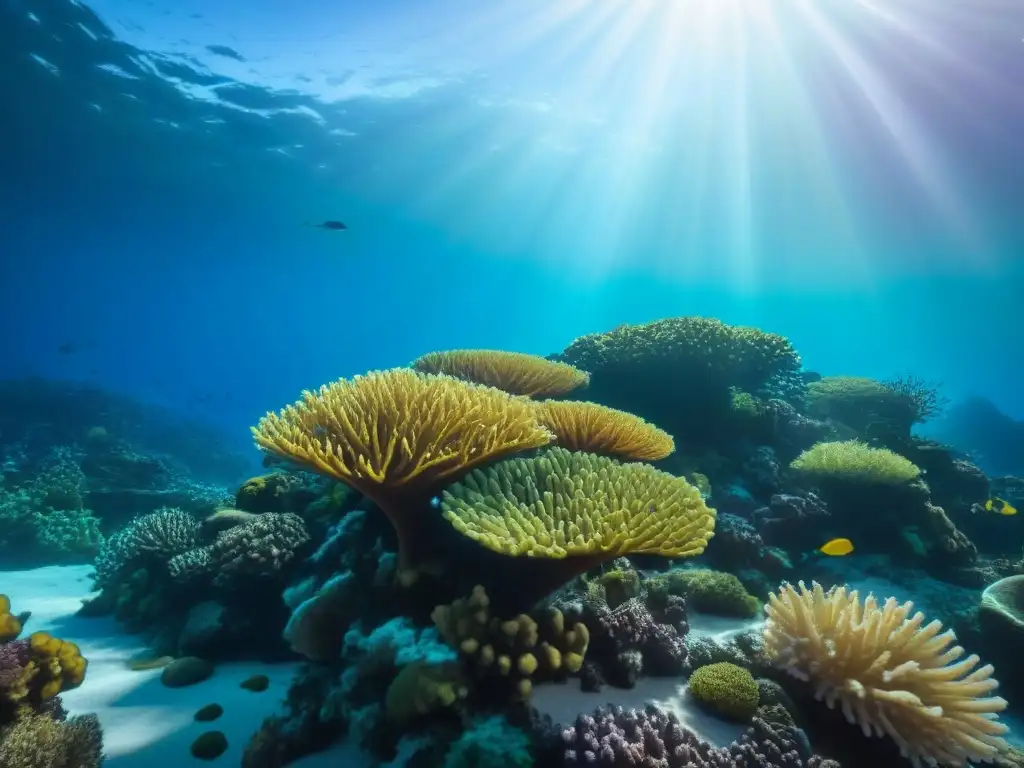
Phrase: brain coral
(889, 673)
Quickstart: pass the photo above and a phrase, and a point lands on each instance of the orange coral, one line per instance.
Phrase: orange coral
(582, 426)
(397, 435)
(513, 372)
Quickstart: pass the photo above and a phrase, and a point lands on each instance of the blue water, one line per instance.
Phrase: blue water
(512, 175)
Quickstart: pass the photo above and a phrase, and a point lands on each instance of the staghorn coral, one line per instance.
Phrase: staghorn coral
(579, 508)
(583, 426)
(615, 738)
(396, 435)
(889, 672)
(260, 547)
(505, 657)
(512, 372)
(855, 462)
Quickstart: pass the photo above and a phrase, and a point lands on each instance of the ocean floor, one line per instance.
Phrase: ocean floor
(147, 725)
(144, 722)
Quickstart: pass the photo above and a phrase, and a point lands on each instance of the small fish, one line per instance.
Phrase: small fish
(1000, 506)
(836, 547)
(435, 502)
(332, 224)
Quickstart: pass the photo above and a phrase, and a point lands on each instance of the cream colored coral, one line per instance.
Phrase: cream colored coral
(889, 672)
(562, 504)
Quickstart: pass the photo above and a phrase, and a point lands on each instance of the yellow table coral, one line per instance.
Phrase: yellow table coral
(396, 435)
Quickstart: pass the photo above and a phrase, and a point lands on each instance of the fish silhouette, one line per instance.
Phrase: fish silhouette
(331, 224)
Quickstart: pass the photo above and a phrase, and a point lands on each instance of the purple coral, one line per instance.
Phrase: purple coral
(627, 641)
(13, 658)
(616, 738)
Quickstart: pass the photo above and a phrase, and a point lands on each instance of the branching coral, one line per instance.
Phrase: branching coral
(579, 506)
(856, 462)
(513, 372)
(583, 426)
(505, 657)
(889, 672)
(260, 547)
(396, 435)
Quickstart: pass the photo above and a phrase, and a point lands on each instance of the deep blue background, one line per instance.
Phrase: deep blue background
(165, 238)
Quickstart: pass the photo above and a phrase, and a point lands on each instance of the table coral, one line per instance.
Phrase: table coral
(397, 435)
(513, 372)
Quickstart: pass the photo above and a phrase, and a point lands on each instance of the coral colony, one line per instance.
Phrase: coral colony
(440, 542)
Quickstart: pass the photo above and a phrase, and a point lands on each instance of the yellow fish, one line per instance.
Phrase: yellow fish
(1000, 506)
(836, 547)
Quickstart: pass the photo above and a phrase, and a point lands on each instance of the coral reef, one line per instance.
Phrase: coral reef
(614, 737)
(505, 658)
(396, 436)
(34, 729)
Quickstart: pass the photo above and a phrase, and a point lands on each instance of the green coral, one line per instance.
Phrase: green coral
(490, 742)
(865, 405)
(741, 354)
(706, 591)
(620, 584)
(44, 519)
(726, 689)
(856, 462)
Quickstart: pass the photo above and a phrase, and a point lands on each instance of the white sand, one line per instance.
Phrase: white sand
(563, 702)
(145, 724)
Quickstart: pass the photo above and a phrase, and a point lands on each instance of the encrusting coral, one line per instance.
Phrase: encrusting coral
(505, 657)
(512, 372)
(715, 592)
(397, 435)
(579, 509)
(889, 673)
(583, 426)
